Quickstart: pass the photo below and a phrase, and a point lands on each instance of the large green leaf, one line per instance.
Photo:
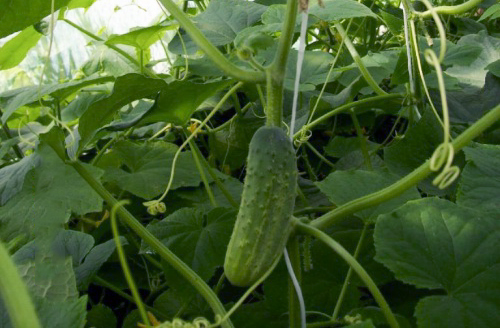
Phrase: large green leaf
(50, 278)
(29, 95)
(436, 244)
(470, 103)
(101, 316)
(12, 176)
(66, 243)
(50, 193)
(344, 186)
(418, 145)
(230, 144)
(474, 73)
(220, 23)
(342, 146)
(494, 68)
(335, 10)
(479, 186)
(19, 14)
(79, 105)
(198, 238)
(14, 51)
(148, 167)
(141, 38)
(172, 301)
(492, 12)
(106, 60)
(198, 197)
(178, 101)
(127, 88)
(93, 262)
(51, 281)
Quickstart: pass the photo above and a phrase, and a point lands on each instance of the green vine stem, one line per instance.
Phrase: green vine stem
(203, 176)
(347, 280)
(354, 264)
(123, 261)
(451, 10)
(319, 155)
(214, 176)
(362, 140)
(167, 255)
(15, 295)
(210, 50)
(157, 206)
(420, 173)
(293, 300)
(275, 73)
(357, 59)
(344, 108)
(134, 61)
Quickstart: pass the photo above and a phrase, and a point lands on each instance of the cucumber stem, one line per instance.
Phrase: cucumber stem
(354, 264)
(420, 173)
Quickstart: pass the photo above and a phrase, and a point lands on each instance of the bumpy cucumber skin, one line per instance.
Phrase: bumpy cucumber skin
(264, 220)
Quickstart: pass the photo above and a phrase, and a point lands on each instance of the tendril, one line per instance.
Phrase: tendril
(444, 153)
(305, 135)
(156, 206)
(440, 27)
(199, 322)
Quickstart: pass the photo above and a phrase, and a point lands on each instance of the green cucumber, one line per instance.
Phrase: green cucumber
(264, 220)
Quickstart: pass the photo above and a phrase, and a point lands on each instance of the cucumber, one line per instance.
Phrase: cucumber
(264, 220)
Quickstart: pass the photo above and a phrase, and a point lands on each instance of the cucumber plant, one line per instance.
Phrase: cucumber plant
(368, 157)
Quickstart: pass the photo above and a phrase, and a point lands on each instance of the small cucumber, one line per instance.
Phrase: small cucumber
(264, 220)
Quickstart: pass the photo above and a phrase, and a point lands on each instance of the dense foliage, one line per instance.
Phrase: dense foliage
(120, 184)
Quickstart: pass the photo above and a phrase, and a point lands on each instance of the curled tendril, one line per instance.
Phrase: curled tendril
(304, 136)
(440, 27)
(155, 207)
(443, 155)
(200, 322)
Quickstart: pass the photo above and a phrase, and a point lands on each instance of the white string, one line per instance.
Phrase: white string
(300, 59)
(296, 285)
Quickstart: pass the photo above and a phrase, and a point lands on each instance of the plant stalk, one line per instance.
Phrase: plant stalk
(357, 59)
(354, 264)
(293, 301)
(450, 10)
(166, 254)
(419, 174)
(275, 73)
(210, 50)
(355, 104)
